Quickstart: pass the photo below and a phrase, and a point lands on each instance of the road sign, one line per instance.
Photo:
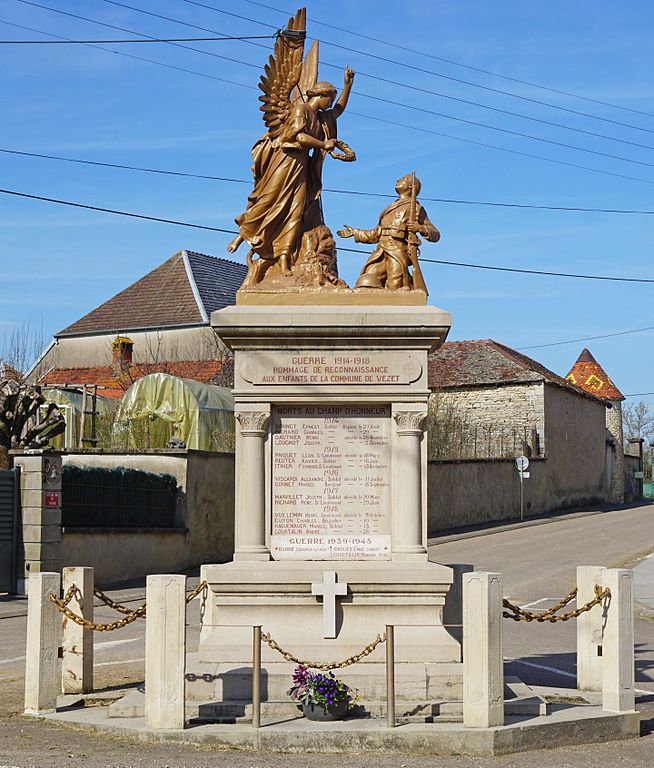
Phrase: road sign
(522, 462)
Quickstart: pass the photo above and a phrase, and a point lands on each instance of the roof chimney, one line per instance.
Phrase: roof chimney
(121, 354)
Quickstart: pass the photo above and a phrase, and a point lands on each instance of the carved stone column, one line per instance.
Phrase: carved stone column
(407, 485)
(250, 524)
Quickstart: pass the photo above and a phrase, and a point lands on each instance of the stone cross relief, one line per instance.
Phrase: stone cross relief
(329, 590)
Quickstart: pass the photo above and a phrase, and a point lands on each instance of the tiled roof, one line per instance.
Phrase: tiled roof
(217, 280)
(170, 295)
(9, 372)
(485, 362)
(588, 374)
(200, 370)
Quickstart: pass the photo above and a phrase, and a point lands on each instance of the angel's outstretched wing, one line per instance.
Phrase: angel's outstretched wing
(309, 75)
(282, 74)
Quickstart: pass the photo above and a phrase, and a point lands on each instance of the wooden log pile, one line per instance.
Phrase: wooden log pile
(20, 424)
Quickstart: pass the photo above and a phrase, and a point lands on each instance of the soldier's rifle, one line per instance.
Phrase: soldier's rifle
(413, 241)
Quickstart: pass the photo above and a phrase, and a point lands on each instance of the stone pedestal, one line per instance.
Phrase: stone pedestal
(331, 475)
(40, 493)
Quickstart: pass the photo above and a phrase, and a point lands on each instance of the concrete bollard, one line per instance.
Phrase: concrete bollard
(589, 629)
(483, 665)
(165, 651)
(618, 694)
(77, 642)
(41, 683)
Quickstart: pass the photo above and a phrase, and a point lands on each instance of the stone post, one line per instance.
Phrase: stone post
(407, 536)
(618, 694)
(77, 642)
(250, 524)
(40, 492)
(165, 651)
(589, 629)
(483, 670)
(41, 654)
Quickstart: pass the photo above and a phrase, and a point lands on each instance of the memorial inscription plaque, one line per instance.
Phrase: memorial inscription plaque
(331, 470)
(327, 367)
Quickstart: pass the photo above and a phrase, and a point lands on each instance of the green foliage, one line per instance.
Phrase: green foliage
(117, 497)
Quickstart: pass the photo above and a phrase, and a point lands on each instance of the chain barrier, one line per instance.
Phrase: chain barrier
(129, 613)
(517, 613)
(324, 666)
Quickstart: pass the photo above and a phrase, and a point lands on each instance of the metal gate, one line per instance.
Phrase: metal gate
(9, 495)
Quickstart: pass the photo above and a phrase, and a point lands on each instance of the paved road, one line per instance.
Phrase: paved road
(538, 565)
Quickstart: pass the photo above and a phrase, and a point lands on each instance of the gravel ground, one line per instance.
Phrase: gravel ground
(27, 742)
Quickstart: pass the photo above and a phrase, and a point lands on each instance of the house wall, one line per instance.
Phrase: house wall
(196, 343)
(618, 468)
(633, 486)
(576, 439)
(472, 492)
(204, 516)
(514, 406)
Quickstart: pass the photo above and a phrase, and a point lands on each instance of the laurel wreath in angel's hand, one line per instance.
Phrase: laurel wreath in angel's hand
(346, 154)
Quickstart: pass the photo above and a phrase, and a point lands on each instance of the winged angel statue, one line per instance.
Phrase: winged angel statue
(283, 222)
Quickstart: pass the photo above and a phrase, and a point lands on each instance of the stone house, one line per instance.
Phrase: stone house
(484, 388)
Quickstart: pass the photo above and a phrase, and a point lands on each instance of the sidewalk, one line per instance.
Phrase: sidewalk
(644, 587)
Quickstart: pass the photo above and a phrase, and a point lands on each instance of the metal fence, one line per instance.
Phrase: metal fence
(457, 439)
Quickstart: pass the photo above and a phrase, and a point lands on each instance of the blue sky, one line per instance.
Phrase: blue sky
(80, 102)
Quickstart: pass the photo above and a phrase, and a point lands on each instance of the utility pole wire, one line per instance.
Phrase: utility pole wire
(428, 71)
(464, 66)
(410, 86)
(351, 112)
(351, 250)
(587, 338)
(358, 193)
(148, 40)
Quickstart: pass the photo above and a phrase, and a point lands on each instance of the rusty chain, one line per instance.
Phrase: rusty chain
(130, 614)
(517, 613)
(323, 665)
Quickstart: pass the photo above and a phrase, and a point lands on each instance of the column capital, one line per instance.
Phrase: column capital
(410, 422)
(252, 421)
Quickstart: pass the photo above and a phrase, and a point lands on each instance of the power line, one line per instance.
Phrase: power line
(149, 40)
(540, 272)
(465, 66)
(433, 112)
(587, 338)
(385, 121)
(137, 58)
(432, 72)
(86, 206)
(413, 87)
(133, 32)
(358, 193)
(114, 211)
(640, 394)
(508, 131)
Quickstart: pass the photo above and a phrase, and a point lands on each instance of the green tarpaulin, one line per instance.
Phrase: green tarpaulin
(159, 407)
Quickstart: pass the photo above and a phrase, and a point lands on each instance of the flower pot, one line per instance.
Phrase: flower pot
(317, 712)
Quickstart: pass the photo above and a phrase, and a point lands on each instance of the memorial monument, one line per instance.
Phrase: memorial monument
(330, 391)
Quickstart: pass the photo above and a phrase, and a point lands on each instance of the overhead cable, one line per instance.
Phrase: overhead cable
(455, 63)
(587, 338)
(351, 112)
(86, 206)
(358, 193)
(411, 86)
(138, 40)
(429, 71)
